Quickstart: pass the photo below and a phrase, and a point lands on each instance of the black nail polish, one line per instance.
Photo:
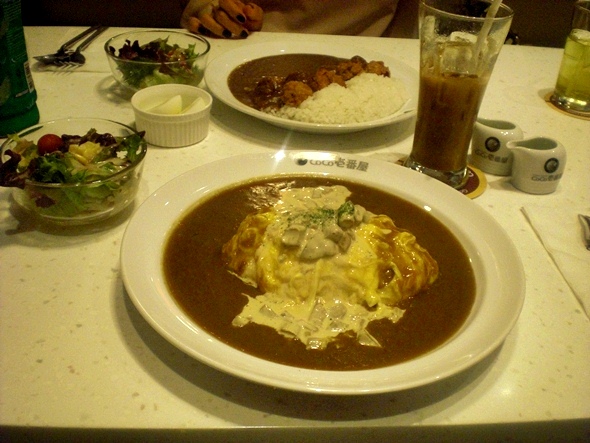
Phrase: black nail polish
(243, 34)
(240, 18)
(226, 33)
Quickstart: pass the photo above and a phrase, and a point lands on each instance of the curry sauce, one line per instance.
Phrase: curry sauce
(244, 81)
(196, 276)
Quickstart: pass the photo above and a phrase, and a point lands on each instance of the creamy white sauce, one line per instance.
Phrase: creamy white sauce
(317, 266)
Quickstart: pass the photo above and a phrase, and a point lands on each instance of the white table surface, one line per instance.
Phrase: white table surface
(76, 356)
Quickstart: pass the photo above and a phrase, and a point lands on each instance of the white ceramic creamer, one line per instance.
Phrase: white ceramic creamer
(488, 145)
(537, 164)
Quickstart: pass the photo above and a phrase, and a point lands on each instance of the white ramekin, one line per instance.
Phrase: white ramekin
(172, 130)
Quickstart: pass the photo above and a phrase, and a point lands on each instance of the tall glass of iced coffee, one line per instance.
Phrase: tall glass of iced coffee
(459, 43)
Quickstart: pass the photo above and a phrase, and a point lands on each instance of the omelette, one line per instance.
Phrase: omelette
(325, 266)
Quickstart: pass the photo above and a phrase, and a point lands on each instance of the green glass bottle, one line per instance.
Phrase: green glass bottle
(18, 98)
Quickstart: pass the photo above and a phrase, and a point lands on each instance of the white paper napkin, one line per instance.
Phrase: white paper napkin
(559, 229)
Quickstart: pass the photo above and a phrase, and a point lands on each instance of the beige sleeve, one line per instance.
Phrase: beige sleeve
(342, 17)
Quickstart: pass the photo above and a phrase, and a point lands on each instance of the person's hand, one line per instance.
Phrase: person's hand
(222, 18)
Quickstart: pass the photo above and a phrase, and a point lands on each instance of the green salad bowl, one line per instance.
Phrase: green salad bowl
(85, 197)
(139, 59)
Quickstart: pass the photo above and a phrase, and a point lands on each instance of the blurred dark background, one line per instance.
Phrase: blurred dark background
(542, 22)
(536, 22)
(124, 13)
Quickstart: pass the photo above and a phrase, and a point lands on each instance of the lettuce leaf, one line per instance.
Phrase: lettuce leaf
(64, 167)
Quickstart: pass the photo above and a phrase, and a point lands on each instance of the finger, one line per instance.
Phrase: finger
(226, 21)
(216, 29)
(194, 25)
(233, 8)
(254, 15)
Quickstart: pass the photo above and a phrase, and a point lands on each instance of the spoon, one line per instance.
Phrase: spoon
(63, 50)
(64, 57)
(76, 57)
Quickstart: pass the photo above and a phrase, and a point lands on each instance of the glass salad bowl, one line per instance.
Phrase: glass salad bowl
(139, 59)
(74, 171)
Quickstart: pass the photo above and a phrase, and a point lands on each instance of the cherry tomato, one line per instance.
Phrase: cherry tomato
(49, 143)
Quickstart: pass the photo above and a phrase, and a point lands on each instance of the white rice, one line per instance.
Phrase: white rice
(367, 97)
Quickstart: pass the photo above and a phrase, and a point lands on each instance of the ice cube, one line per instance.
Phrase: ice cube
(462, 36)
(456, 57)
(428, 28)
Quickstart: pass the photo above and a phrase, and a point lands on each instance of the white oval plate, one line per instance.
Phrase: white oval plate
(219, 69)
(499, 273)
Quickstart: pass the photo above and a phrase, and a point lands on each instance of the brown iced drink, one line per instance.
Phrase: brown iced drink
(458, 49)
(447, 111)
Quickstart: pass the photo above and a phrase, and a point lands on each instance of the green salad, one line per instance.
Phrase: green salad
(72, 175)
(173, 63)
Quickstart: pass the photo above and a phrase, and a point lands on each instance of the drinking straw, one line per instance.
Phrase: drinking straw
(485, 30)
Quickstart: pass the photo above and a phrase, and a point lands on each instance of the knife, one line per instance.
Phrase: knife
(585, 220)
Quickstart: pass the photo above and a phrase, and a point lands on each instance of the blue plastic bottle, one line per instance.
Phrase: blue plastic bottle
(18, 98)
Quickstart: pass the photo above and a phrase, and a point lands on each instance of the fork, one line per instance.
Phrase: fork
(76, 58)
(64, 57)
(62, 51)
